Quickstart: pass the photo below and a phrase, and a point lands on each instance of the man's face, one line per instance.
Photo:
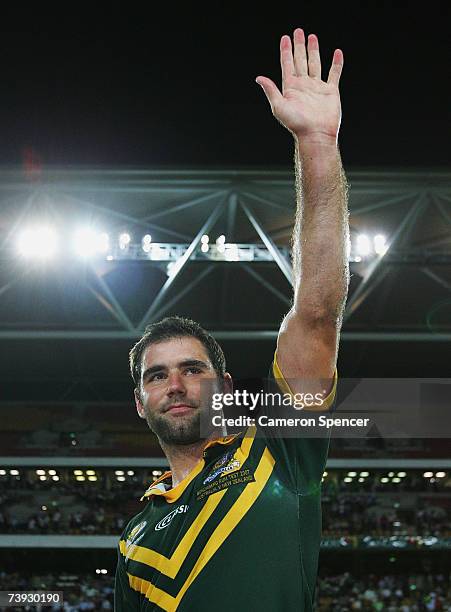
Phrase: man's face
(177, 382)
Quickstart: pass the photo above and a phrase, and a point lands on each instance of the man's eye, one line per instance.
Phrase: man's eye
(193, 370)
(158, 376)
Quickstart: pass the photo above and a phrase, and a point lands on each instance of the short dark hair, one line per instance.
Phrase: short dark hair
(175, 327)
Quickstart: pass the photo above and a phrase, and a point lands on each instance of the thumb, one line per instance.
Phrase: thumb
(271, 91)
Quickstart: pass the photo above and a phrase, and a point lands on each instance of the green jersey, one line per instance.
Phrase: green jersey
(240, 532)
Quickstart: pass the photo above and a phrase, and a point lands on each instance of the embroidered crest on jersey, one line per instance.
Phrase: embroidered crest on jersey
(226, 463)
(134, 537)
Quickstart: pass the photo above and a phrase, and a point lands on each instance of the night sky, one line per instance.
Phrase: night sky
(170, 87)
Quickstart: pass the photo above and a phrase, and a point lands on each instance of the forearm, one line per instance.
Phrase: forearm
(321, 233)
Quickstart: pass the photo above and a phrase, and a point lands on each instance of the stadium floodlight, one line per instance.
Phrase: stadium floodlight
(146, 243)
(361, 479)
(232, 252)
(352, 474)
(384, 479)
(205, 239)
(124, 240)
(119, 472)
(156, 472)
(40, 472)
(391, 474)
(78, 472)
(2, 472)
(55, 477)
(428, 474)
(347, 479)
(42, 477)
(440, 474)
(204, 247)
(14, 472)
(39, 242)
(380, 244)
(363, 245)
(401, 474)
(120, 478)
(364, 474)
(325, 474)
(92, 478)
(90, 472)
(44, 508)
(86, 242)
(130, 473)
(396, 479)
(103, 242)
(52, 472)
(220, 239)
(80, 478)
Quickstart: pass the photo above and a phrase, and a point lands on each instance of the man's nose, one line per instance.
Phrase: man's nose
(175, 383)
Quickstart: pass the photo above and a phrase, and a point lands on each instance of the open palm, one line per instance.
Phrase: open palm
(308, 107)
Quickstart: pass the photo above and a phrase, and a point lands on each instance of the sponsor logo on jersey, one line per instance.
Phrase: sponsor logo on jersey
(225, 464)
(167, 520)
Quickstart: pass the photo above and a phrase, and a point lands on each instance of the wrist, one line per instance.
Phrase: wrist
(315, 140)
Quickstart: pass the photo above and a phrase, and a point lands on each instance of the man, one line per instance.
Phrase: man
(235, 524)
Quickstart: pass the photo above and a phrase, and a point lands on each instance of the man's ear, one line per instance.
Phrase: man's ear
(228, 383)
(139, 406)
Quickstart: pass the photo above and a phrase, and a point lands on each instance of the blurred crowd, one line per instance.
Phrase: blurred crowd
(391, 593)
(337, 593)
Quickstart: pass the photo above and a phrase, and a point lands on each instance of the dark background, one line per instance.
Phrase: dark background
(154, 86)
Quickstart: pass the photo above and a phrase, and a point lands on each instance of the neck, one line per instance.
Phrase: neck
(184, 458)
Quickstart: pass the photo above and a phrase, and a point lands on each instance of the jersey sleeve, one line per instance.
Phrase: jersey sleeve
(300, 459)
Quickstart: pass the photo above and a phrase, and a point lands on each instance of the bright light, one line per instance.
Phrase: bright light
(120, 478)
(78, 472)
(44, 508)
(204, 247)
(347, 479)
(97, 571)
(119, 473)
(364, 474)
(145, 243)
(2, 472)
(16, 472)
(52, 472)
(440, 474)
(124, 240)
(92, 478)
(40, 242)
(90, 472)
(428, 474)
(55, 477)
(40, 472)
(363, 245)
(103, 243)
(104, 571)
(396, 479)
(391, 474)
(130, 473)
(325, 474)
(380, 244)
(157, 253)
(361, 480)
(156, 472)
(384, 479)
(205, 239)
(42, 477)
(80, 478)
(220, 239)
(232, 252)
(352, 474)
(85, 242)
(401, 474)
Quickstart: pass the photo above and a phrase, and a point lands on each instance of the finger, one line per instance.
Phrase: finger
(336, 67)
(286, 59)
(314, 60)
(300, 54)
(271, 91)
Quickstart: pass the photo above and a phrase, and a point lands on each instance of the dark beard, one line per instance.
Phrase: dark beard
(179, 432)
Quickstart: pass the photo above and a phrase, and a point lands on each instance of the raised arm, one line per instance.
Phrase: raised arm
(310, 109)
